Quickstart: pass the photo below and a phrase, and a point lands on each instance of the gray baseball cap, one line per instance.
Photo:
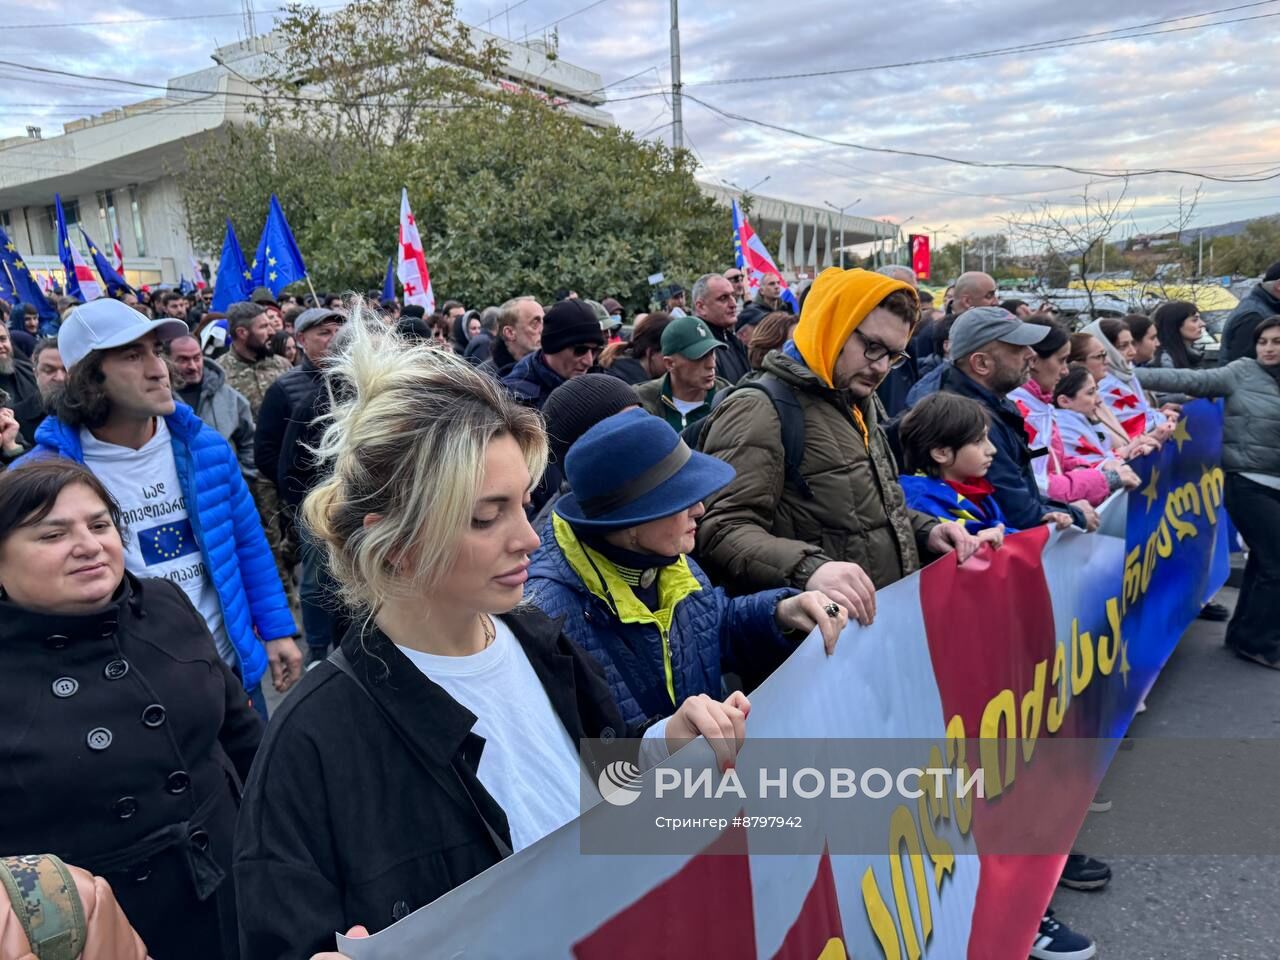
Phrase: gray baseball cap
(316, 316)
(977, 327)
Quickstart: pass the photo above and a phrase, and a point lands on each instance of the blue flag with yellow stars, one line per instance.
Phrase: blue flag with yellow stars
(110, 276)
(23, 279)
(234, 281)
(278, 262)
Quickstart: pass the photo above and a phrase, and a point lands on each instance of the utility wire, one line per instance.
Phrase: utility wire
(567, 16)
(1110, 174)
(1040, 46)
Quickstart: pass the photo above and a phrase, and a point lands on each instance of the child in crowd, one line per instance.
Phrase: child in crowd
(947, 453)
(1076, 401)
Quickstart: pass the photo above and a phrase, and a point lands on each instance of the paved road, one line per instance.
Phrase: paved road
(1202, 907)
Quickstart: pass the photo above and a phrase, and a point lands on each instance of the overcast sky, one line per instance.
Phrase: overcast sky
(1200, 99)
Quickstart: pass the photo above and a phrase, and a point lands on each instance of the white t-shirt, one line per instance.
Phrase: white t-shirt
(160, 541)
(529, 765)
(686, 406)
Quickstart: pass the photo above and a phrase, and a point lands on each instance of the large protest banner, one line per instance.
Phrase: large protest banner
(1051, 641)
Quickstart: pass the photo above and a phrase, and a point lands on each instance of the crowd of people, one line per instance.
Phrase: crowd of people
(506, 530)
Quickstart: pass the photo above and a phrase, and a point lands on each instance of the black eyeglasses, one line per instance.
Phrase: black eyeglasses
(875, 351)
(582, 349)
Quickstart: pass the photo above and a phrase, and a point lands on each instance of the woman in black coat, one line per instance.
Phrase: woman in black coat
(124, 736)
(448, 730)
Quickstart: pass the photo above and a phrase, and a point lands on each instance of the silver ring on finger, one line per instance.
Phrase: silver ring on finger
(832, 610)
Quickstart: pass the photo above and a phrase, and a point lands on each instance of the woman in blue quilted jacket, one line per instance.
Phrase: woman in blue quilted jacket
(613, 564)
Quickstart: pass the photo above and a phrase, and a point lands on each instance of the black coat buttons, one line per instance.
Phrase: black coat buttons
(99, 738)
(65, 687)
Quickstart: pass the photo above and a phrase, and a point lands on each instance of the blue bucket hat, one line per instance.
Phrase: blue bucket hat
(632, 468)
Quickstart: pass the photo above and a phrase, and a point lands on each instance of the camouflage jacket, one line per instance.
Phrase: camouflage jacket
(253, 379)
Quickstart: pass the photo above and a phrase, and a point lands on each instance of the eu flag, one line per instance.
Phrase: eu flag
(167, 541)
(234, 282)
(7, 293)
(389, 281)
(278, 262)
(110, 276)
(23, 280)
(80, 281)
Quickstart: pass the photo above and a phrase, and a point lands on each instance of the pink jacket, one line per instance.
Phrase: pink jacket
(107, 934)
(1060, 477)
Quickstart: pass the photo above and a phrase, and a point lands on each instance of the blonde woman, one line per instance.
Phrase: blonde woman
(445, 734)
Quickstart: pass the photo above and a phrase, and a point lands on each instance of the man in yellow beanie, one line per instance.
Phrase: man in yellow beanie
(835, 518)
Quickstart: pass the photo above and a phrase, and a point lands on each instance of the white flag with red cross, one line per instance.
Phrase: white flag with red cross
(411, 268)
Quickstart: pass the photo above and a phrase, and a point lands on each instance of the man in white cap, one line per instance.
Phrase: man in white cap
(181, 492)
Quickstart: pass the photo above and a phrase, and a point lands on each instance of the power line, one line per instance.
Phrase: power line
(1078, 40)
(567, 16)
(1112, 174)
(136, 20)
(484, 23)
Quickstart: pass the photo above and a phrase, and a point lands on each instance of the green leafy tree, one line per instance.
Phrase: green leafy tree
(512, 195)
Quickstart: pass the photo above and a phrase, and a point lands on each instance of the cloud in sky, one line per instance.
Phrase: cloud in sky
(1198, 99)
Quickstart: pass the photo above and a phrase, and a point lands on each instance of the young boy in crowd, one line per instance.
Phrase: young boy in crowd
(946, 453)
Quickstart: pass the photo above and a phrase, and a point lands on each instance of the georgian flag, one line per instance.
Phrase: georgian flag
(199, 273)
(412, 265)
(118, 252)
(754, 259)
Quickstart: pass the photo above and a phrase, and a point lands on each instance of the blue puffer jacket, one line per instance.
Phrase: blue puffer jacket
(531, 380)
(710, 633)
(226, 524)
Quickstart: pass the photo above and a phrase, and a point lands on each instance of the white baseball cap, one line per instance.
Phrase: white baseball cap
(104, 323)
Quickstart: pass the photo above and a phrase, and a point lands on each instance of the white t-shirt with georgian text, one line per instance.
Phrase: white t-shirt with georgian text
(159, 538)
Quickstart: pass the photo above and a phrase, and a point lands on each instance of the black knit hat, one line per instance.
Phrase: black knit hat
(1273, 273)
(569, 323)
(579, 404)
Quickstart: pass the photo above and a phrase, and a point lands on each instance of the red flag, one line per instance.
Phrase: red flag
(705, 910)
(412, 268)
(818, 933)
(119, 254)
(920, 255)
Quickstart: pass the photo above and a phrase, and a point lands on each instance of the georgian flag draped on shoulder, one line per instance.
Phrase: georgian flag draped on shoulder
(753, 258)
(81, 283)
(411, 268)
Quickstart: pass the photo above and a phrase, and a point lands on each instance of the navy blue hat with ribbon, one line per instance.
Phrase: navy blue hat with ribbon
(632, 468)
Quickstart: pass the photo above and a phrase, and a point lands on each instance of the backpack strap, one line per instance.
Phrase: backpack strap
(792, 418)
(44, 898)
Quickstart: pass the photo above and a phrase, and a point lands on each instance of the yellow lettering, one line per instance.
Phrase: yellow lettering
(1148, 563)
(1176, 506)
(963, 806)
(902, 832)
(940, 852)
(1164, 541)
(1211, 484)
(999, 708)
(1058, 705)
(1081, 658)
(1109, 644)
(1032, 711)
(880, 918)
(1133, 577)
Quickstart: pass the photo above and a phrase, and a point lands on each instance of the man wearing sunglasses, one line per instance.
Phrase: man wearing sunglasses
(571, 342)
(738, 281)
(835, 518)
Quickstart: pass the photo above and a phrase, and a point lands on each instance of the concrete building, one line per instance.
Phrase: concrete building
(115, 171)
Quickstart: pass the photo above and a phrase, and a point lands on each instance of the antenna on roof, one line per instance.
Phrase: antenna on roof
(250, 19)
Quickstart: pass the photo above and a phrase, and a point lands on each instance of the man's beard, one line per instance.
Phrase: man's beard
(260, 351)
(6, 366)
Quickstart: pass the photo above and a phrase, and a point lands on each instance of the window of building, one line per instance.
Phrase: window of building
(70, 210)
(113, 225)
(136, 212)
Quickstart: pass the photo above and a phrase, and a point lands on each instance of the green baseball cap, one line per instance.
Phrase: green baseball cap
(689, 337)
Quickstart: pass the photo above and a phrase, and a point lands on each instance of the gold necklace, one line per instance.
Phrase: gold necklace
(490, 631)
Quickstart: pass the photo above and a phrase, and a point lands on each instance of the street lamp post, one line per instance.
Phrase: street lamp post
(841, 210)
